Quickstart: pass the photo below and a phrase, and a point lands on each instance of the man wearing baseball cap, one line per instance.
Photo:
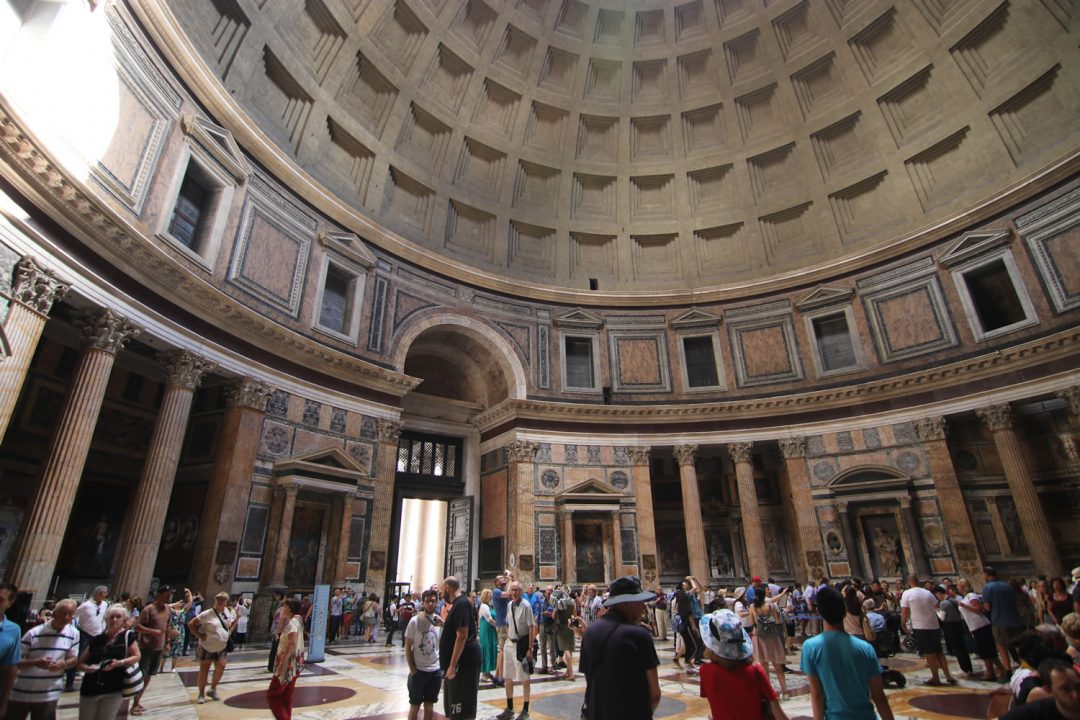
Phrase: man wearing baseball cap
(618, 658)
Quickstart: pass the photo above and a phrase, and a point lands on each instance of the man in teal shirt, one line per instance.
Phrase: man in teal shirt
(844, 672)
(10, 645)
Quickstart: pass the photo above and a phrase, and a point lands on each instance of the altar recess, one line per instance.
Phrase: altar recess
(591, 533)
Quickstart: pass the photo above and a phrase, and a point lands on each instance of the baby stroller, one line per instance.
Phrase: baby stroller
(886, 644)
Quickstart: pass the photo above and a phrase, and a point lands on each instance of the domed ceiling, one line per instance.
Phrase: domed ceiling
(650, 145)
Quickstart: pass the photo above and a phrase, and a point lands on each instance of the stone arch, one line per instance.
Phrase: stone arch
(498, 347)
(867, 475)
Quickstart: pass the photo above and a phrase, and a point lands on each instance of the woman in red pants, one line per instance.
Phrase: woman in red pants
(289, 662)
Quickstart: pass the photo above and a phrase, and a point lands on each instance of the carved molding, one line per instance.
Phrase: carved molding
(247, 392)
(185, 369)
(522, 451)
(686, 454)
(105, 330)
(639, 454)
(36, 286)
(932, 428)
(793, 447)
(741, 452)
(1071, 395)
(389, 431)
(996, 417)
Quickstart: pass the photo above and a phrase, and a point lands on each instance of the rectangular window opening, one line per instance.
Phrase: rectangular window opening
(833, 339)
(700, 362)
(579, 363)
(337, 290)
(994, 296)
(192, 208)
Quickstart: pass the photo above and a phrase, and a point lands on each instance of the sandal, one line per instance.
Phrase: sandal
(137, 710)
(952, 681)
(933, 683)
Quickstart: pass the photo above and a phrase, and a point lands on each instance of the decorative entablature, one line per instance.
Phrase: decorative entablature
(326, 470)
(349, 246)
(695, 319)
(972, 245)
(591, 495)
(218, 144)
(824, 296)
(579, 319)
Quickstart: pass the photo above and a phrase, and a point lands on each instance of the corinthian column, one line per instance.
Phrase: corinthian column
(43, 530)
(1071, 395)
(146, 516)
(342, 560)
(802, 505)
(389, 433)
(520, 522)
(225, 507)
(748, 503)
(691, 500)
(281, 544)
(932, 431)
(1044, 555)
(34, 289)
(648, 566)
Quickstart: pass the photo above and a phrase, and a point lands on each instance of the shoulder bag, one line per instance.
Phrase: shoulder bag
(521, 642)
(229, 643)
(600, 656)
(133, 679)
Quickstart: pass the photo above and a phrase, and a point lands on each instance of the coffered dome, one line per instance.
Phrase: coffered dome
(647, 145)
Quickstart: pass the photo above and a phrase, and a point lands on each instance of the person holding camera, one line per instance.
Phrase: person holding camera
(518, 662)
(105, 662)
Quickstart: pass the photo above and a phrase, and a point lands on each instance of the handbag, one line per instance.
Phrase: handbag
(133, 679)
(521, 643)
(868, 632)
(229, 643)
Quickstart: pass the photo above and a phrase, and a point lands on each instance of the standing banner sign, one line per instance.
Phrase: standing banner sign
(320, 609)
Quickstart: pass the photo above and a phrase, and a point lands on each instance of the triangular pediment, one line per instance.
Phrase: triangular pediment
(350, 246)
(332, 458)
(592, 486)
(973, 244)
(579, 318)
(824, 295)
(219, 143)
(696, 318)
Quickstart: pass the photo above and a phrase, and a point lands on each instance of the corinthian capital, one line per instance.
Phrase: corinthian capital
(996, 417)
(105, 330)
(522, 451)
(793, 447)
(184, 369)
(246, 392)
(741, 451)
(389, 430)
(932, 428)
(685, 454)
(35, 286)
(1071, 395)
(639, 454)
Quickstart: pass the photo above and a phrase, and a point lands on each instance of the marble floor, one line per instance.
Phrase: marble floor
(368, 683)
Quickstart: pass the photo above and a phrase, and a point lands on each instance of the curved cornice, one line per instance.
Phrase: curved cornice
(77, 208)
(170, 38)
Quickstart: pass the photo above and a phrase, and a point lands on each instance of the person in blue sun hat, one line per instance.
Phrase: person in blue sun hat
(736, 687)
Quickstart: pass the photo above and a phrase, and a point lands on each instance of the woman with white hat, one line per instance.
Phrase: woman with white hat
(736, 687)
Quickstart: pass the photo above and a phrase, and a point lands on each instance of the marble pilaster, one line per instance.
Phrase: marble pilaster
(1044, 554)
(932, 432)
(34, 559)
(342, 560)
(648, 563)
(569, 548)
(385, 469)
(812, 559)
(520, 522)
(685, 455)
(284, 533)
(225, 507)
(34, 289)
(753, 536)
(141, 537)
(911, 527)
(846, 527)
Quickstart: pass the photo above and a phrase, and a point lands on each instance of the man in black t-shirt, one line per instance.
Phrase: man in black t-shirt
(459, 654)
(1062, 682)
(618, 658)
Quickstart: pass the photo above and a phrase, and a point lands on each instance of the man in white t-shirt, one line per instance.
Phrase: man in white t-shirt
(520, 625)
(422, 654)
(90, 619)
(979, 628)
(47, 651)
(920, 606)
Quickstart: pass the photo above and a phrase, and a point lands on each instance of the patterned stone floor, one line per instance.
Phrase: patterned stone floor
(368, 683)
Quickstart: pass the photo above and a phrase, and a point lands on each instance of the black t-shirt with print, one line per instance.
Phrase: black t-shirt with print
(461, 615)
(1038, 710)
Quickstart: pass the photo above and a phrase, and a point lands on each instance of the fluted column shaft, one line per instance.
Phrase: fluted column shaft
(141, 537)
(648, 563)
(43, 529)
(932, 431)
(1040, 542)
(691, 500)
(753, 535)
(281, 547)
(340, 569)
(520, 523)
(812, 562)
(918, 549)
(225, 507)
(385, 469)
(569, 548)
(616, 545)
(846, 527)
(33, 292)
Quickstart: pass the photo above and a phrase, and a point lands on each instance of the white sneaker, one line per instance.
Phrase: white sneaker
(201, 700)
(212, 692)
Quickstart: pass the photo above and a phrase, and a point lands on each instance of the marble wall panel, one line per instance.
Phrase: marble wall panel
(640, 362)
(493, 505)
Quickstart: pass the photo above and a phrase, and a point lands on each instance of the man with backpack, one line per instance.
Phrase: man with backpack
(405, 611)
(390, 620)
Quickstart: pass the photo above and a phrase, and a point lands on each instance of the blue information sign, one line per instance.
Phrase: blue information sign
(320, 610)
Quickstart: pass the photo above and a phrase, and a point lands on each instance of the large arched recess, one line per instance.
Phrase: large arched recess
(479, 364)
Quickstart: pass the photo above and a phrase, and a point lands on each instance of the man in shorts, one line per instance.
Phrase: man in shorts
(213, 628)
(459, 654)
(521, 628)
(422, 654)
(1000, 599)
(920, 605)
(151, 627)
(500, 598)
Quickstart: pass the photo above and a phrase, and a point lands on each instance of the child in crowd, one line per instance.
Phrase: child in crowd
(736, 687)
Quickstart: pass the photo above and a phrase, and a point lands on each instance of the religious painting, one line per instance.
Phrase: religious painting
(721, 554)
(93, 531)
(882, 536)
(589, 543)
(180, 532)
(11, 515)
(671, 543)
(776, 552)
(304, 542)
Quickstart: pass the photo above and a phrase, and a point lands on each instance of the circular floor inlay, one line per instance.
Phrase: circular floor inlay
(967, 705)
(568, 705)
(303, 696)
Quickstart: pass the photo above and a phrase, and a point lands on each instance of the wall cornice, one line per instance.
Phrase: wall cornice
(167, 33)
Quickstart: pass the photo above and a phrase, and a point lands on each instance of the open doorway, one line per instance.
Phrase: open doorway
(421, 560)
